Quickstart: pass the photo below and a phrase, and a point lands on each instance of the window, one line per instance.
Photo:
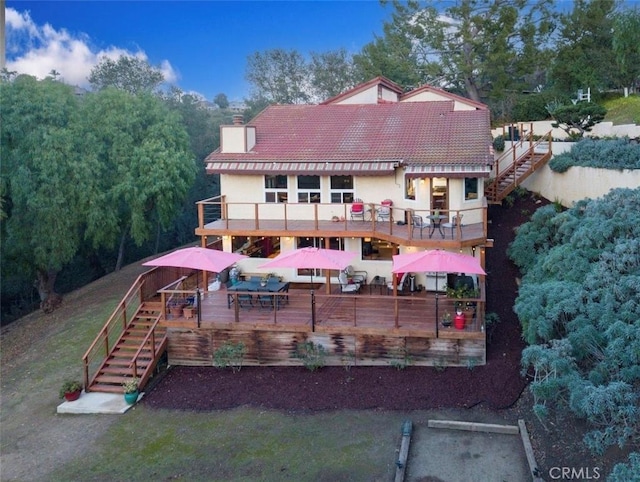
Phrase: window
(256, 247)
(410, 188)
(308, 189)
(373, 248)
(470, 188)
(275, 189)
(342, 189)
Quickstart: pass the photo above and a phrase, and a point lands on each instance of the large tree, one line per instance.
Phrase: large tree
(626, 47)
(280, 76)
(332, 73)
(584, 47)
(481, 48)
(128, 73)
(145, 166)
(44, 172)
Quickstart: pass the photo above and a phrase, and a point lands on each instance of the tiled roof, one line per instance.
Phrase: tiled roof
(410, 133)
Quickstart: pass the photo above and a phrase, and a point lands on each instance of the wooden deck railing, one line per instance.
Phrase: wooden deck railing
(217, 214)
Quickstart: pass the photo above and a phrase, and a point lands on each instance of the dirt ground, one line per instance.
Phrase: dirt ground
(497, 389)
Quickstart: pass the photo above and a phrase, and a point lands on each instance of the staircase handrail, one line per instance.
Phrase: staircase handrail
(151, 336)
(144, 287)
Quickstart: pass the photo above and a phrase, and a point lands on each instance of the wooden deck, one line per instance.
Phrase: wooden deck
(371, 329)
(468, 235)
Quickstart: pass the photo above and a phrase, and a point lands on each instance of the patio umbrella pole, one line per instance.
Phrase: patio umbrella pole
(313, 306)
(437, 276)
(198, 307)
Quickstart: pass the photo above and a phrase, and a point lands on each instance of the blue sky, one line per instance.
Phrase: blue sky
(202, 46)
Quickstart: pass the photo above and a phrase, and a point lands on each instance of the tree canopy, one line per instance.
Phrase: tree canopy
(128, 73)
(43, 174)
(97, 169)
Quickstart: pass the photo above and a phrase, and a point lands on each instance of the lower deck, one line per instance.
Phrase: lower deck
(372, 327)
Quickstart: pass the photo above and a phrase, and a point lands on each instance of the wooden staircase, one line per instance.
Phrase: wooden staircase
(517, 164)
(135, 354)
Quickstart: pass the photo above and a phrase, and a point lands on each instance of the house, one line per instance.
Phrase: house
(374, 170)
(427, 151)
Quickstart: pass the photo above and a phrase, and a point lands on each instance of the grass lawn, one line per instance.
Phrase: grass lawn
(623, 110)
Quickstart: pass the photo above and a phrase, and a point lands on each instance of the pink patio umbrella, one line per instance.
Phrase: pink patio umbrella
(197, 258)
(312, 258)
(438, 261)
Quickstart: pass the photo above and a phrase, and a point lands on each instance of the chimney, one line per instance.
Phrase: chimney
(238, 119)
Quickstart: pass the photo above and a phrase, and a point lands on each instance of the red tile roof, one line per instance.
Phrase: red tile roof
(410, 133)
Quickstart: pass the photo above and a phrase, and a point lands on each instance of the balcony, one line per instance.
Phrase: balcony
(216, 217)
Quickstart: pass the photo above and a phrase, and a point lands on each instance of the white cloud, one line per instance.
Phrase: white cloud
(37, 50)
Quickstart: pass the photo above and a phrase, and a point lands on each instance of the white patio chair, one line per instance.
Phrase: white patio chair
(345, 286)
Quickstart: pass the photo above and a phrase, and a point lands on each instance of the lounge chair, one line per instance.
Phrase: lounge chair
(345, 286)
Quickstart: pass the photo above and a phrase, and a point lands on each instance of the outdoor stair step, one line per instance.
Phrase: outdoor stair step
(117, 379)
(101, 387)
(115, 370)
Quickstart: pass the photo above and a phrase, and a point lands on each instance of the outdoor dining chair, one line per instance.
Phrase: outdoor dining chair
(418, 223)
(357, 210)
(245, 301)
(384, 211)
(267, 301)
(455, 220)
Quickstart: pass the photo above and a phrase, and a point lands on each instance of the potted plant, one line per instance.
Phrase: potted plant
(446, 319)
(175, 307)
(130, 387)
(71, 390)
(189, 311)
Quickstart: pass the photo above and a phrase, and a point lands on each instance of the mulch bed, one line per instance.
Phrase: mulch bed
(496, 385)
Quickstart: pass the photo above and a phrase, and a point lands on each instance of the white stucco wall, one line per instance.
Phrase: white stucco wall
(579, 183)
(249, 189)
(602, 129)
(435, 96)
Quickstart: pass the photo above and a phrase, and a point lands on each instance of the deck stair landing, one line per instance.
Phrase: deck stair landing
(132, 355)
(516, 165)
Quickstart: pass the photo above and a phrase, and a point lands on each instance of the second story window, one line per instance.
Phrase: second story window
(470, 188)
(275, 189)
(308, 189)
(341, 189)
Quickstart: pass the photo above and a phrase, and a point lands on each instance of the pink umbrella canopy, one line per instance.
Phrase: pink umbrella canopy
(310, 257)
(197, 258)
(438, 261)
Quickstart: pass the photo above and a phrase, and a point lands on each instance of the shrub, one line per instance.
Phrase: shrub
(400, 359)
(615, 154)
(230, 355)
(311, 354)
(498, 143)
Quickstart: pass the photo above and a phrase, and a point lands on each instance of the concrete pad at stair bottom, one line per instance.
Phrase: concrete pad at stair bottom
(95, 402)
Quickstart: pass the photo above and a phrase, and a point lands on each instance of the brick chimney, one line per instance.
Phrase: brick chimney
(238, 119)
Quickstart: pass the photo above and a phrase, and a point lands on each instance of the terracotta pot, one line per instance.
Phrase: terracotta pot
(72, 396)
(189, 312)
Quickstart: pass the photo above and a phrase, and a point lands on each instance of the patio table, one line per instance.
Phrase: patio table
(436, 223)
(253, 286)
